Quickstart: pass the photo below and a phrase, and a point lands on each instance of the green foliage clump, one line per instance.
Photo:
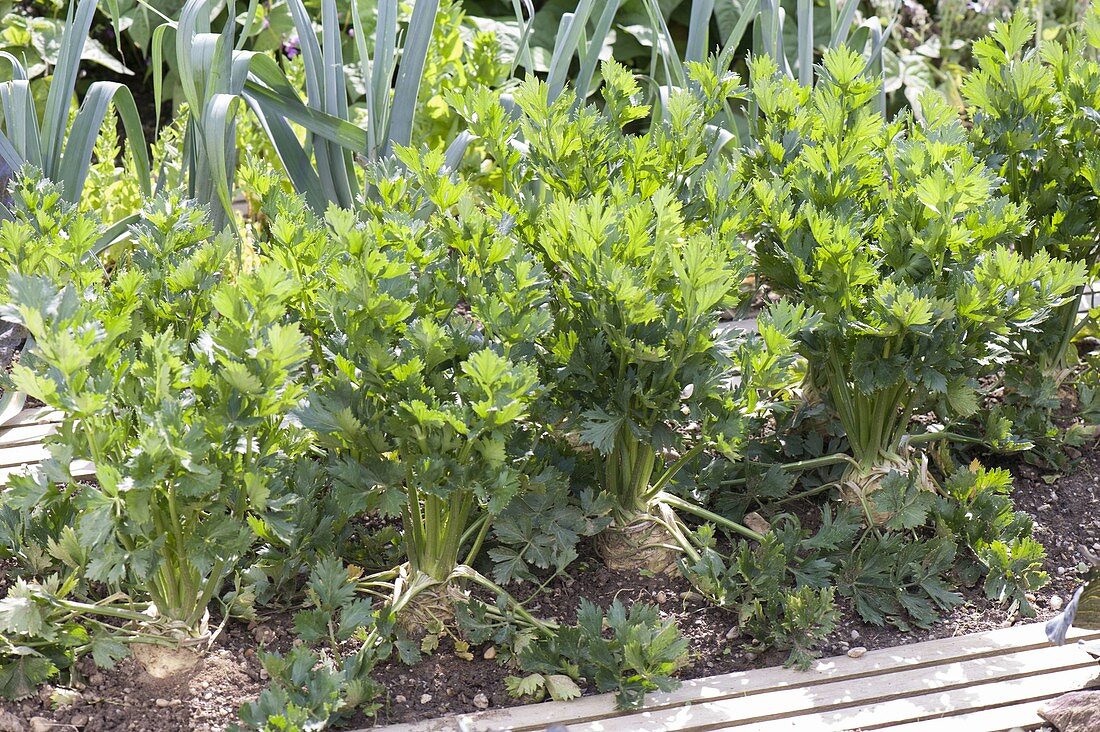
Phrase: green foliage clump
(1034, 122)
(47, 236)
(311, 690)
(639, 655)
(978, 511)
(426, 379)
(175, 379)
(896, 234)
(778, 590)
(642, 235)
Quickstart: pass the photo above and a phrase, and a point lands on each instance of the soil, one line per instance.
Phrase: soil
(1067, 522)
(11, 340)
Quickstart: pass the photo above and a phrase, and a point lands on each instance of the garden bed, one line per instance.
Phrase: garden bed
(126, 698)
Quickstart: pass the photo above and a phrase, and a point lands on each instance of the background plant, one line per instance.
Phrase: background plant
(1033, 120)
(47, 141)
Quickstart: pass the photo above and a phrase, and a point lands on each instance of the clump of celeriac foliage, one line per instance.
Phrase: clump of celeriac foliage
(895, 233)
(642, 233)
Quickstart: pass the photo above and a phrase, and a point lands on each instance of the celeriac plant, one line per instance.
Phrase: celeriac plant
(895, 233)
(643, 233)
(1034, 119)
(175, 379)
(427, 378)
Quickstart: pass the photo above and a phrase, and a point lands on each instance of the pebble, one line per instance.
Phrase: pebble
(79, 720)
(41, 724)
(856, 652)
(855, 635)
(425, 698)
(1055, 603)
(162, 703)
(1044, 507)
(1061, 571)
(662, 598)
(757, 523)
(733, 632)
(750, 656)
(399, 699)
(490, 653)
(481, 701)
(10, 723)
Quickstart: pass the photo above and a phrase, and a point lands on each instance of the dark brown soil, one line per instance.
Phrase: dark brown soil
(1067, 513)
(126, 698)
(11, 340)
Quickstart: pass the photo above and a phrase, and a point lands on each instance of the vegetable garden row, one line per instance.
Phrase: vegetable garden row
(467, 328)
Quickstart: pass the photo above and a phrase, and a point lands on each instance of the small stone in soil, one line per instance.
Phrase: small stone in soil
(757, 523)
(425, 698)
(162, 703)
(662, 598)
(855, 635)
(41, 724)
(481, 701)
(10, 723)
(399, 699)
(856, 652)
(490, 653)
(734, 632)
(1055, 603)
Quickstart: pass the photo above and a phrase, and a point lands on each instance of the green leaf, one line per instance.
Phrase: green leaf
(106, 651)
(902, 499)
(21, 675)
(562, 688)
(600, 429)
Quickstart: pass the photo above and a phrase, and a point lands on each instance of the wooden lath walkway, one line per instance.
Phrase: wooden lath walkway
(978, 683)
(975, 683)
(21, 442)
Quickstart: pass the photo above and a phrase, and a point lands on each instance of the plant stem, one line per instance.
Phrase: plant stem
(818, 462)
(677, 502)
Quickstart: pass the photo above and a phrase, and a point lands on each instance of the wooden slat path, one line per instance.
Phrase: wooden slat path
(21, 443)
(977, 683)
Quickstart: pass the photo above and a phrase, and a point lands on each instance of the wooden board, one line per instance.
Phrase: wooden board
(21, 445)
(34, 415)
(78, 469)
(23, 455)
(1023, 715)
(29, 434)
(973, 674)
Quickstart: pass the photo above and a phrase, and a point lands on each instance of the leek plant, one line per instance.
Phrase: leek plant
(218, 76)
(895, 233)
(47, 140)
